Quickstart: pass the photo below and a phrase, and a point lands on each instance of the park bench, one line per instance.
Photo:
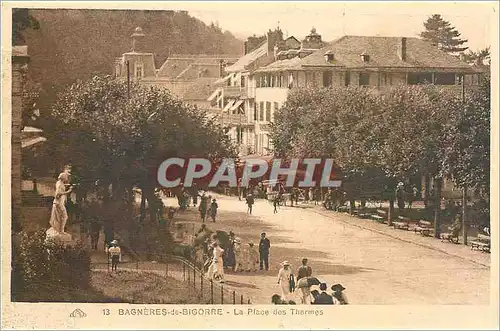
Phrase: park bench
(423, 227)
(380, 216)
(482, 243)
(451, 236)
(402, 223)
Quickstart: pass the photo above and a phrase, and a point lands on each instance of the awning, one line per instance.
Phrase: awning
(229, 104)
(213, 95)
(236, 105)
(32, 142)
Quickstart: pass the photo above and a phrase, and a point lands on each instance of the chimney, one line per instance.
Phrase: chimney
(403, 49)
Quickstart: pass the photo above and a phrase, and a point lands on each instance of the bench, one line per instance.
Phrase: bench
(402, 223)
(423, 227)
(451, 236)
(343, 209)
(482, 243)
(380, 216)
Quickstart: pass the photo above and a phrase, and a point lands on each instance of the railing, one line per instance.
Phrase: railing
(210, 292)
(235, 91)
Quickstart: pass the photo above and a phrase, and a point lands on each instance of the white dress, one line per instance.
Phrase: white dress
(284, 282)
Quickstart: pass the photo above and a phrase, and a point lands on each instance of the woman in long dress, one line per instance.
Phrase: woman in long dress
(284, 276)
(59, 215)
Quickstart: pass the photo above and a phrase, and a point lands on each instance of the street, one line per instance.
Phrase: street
(373, 267)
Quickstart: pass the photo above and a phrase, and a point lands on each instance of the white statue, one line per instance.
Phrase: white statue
(59, 215)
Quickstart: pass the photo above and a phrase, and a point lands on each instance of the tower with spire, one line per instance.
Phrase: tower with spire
(140, 63)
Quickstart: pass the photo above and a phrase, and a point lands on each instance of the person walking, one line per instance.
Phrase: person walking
(275, 205)
(285, 280)
(250, 201)
(238, 255)
(213, 209)
(216, 269)
(252, 258)
(95, 231)
(203, 208)
(115, 254)
(323, 298)
(304, 271)
(264, 246)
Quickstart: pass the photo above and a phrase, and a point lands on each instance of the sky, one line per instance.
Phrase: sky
(335, 19)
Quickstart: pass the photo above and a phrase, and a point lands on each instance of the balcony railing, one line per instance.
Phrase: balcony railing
(235, 91)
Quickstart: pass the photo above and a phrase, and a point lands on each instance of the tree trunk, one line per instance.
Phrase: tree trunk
(465, 224)
(391, 211)
(352, 206)
(143, 205)
(437, 205)
(427, 188)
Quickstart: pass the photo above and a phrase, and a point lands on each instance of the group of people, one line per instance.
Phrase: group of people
(288, 285)
(207, 207)
(237, 256)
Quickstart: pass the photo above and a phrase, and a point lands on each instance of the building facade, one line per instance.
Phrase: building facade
(189, 77)
(373, 62)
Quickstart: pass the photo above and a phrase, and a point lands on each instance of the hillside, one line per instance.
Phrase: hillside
(75, 44)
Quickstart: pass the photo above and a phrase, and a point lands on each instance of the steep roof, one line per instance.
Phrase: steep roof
(249, 58)
(287, 64)
(198, 89)
(383, 52)
(177, 64)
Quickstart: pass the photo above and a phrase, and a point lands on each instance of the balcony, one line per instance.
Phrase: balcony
(235, 92)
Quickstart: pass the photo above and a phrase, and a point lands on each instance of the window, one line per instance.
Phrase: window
(282, 80)
(327, 78)
(364, 79)
(139, 71)
(415, 78)
(444, 79)
(261, 111)
(255, 112)
(386, 79)
(242, 81)
(347, 78)
(268, 111)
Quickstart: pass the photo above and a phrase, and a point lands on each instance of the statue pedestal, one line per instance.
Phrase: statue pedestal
(62, 238)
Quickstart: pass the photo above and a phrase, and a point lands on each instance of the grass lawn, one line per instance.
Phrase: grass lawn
(144, 288)
(123, 286)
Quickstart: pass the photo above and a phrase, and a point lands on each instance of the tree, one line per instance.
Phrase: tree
(22, 20)
(442, 34)
(121, 142)
(480, 55)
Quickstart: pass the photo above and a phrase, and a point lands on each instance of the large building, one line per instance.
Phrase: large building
(374, 62)
(190, 77)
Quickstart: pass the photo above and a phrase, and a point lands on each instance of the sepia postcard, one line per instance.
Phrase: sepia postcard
(250, 165)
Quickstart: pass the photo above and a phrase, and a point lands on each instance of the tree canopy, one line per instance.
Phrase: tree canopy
(122, 142)
(442, 34)
(389, 135)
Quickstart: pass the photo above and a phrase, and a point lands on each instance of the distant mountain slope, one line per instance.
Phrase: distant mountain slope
(75, 44)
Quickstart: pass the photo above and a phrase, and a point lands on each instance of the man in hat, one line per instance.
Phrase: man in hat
(250, 201)
(251, 258)
(213, 209)
(264, 246)
(304, 271)
(339, 295)
(116, 255)
(285, 278)
(323, 298)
